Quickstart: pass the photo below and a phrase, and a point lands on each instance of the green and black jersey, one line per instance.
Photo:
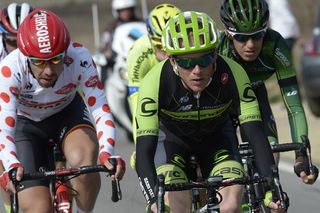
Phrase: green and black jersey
(275, 59)
(163, 99)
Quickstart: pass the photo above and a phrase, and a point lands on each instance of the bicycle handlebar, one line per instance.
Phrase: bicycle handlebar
(59, 173)
(286, 147)
(67, 172)
(213, 182)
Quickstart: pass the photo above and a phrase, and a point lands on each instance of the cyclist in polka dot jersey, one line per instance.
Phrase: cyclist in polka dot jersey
(39, 100)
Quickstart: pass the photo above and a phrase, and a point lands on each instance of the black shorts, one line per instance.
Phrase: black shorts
(217, 154)
(32, 138)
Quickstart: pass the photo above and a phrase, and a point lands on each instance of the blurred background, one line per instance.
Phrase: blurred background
(78, 13)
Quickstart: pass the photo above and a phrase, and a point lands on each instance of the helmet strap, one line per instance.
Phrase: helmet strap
(175, 69)
(228, 35)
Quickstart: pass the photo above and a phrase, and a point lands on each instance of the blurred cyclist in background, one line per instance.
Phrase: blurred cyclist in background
(123, 11)
(10, 19)
(146, 52)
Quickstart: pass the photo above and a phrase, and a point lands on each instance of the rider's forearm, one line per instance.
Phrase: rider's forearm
(145, 151)
(263, 156)
(293, 104)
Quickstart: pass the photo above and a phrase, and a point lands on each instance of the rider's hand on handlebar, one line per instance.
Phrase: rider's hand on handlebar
(121, 165)
(275, 206)
(5, 181)
(301, 168)
(153, 208)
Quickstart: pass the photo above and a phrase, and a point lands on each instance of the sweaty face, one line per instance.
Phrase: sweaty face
(195, 70)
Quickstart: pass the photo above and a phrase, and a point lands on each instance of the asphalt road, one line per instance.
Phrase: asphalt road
(303, 198)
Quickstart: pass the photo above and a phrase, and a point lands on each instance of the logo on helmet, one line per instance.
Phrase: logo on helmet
(42, 33)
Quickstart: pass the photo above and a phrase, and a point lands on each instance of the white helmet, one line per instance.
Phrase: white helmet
(121, 4)
(12, 16)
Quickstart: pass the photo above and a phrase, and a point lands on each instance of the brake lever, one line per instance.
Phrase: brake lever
(278, 188)
(307, 153)
(14, 195)
(115, 184)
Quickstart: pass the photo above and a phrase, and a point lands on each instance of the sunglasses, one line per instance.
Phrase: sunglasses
(243, 37)
(190, 63)
(10, 41)
(40, 62)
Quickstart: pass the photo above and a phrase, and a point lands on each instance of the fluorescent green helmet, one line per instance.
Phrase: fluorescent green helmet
(177, 38)
(157, 20)
(244, 15)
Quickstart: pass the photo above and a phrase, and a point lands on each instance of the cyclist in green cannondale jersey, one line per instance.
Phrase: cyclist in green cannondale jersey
(183, 109)
(263, 52)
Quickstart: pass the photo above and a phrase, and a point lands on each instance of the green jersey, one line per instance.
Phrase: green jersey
(140, 60)
(274, 58)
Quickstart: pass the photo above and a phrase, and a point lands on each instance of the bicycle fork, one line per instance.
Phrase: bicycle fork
(62, 202)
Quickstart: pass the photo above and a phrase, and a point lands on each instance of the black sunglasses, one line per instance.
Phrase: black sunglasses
(243, 37)
(190, 63)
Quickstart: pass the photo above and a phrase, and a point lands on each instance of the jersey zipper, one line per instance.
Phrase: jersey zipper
(197, 97)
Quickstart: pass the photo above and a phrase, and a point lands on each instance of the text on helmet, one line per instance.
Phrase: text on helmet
(42, 33)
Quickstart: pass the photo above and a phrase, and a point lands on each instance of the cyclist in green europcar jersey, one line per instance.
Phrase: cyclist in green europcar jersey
(184, 104)
(263, 52)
